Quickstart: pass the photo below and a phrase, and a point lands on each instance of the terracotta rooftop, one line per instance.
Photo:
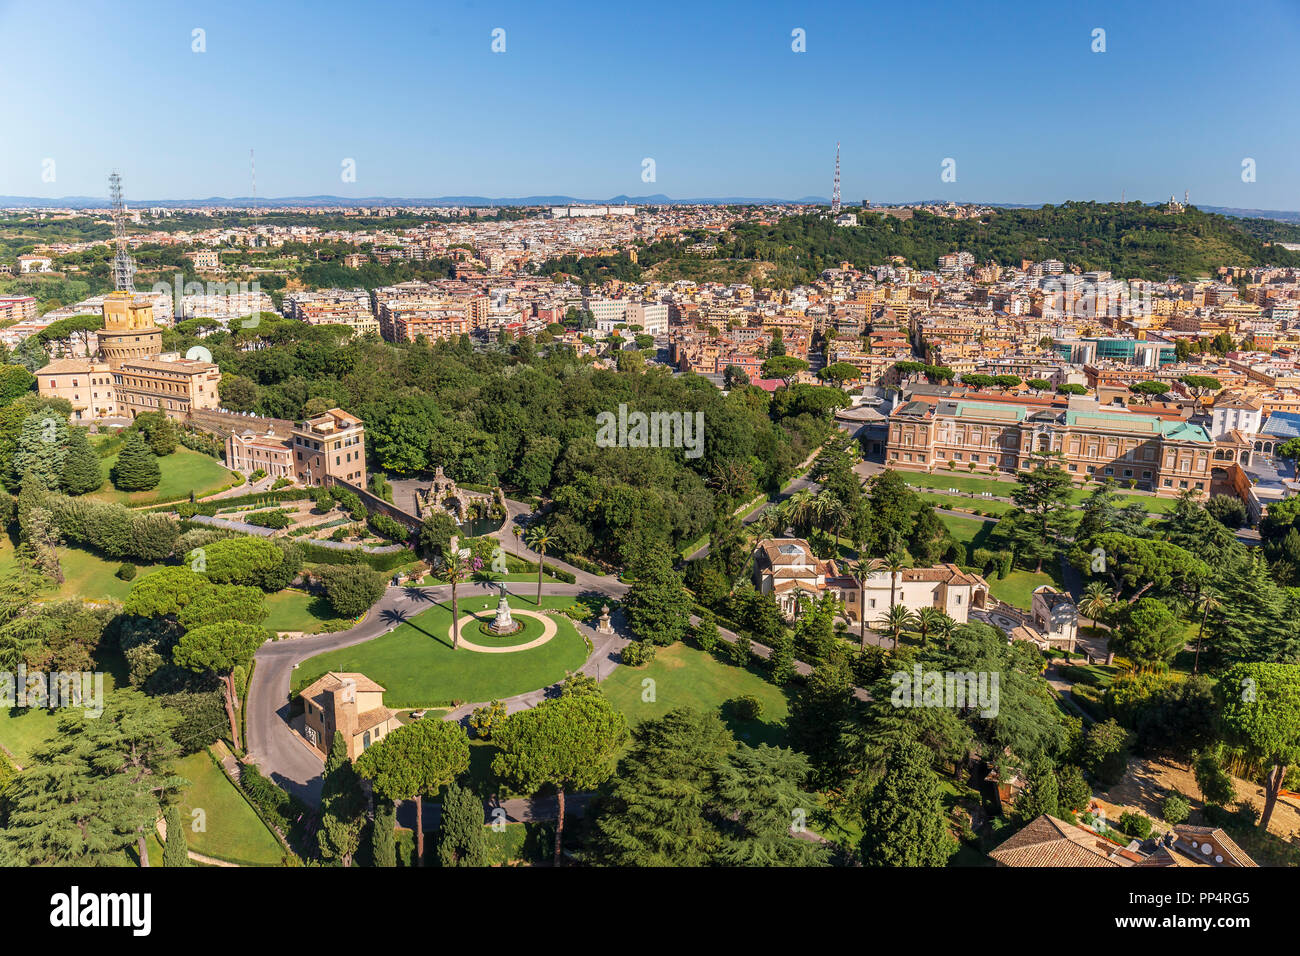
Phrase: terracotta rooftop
(1048, 841)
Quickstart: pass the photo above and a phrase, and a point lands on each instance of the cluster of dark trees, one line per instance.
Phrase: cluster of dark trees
(526, 417)
(1130, 240)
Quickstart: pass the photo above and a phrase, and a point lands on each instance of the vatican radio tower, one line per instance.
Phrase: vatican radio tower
(123, 267)
(835, 192)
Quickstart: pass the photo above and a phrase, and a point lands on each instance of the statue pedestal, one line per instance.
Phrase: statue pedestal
(504, 623)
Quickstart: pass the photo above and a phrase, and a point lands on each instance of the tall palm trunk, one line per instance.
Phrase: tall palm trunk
(455, 618)
(541, 563)
(862, 612)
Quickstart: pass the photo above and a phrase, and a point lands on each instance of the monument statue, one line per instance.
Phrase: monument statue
(504, 623)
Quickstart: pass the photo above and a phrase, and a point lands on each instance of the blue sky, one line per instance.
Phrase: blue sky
(712, 92)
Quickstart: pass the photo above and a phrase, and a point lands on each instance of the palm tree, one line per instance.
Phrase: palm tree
(860, 571)
(894, 564)
(943, 627)
(772, 522)
(896, 622)
(833, 513)
(456, 570)
(1097, 600)
(801, 509)
(539, 539)
(926, 621)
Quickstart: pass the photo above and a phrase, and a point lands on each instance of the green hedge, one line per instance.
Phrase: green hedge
(315, 554)
(210, 508)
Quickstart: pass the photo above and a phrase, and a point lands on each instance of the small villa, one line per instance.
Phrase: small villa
(786, 568)
(350, 703)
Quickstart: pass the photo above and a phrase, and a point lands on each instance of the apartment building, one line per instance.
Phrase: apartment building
(996, 434)
(350, 307)
(205, 260)
(651, 316)
(17, 308)
(410, 310)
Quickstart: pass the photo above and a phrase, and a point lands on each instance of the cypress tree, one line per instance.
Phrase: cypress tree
(904, 823)
(174, 850)
(82, 473)
(383, 835)
(461, 839)
(137, 467)
(341, 817)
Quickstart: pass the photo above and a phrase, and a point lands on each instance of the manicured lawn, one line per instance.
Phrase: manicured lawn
(232, 830)
(687, 677)
(85, 574)
(24, 729)
(417, 666)
(183, 471)
(942, 481)
(294, 610)
(958, 503)
(1002, 488)
(968, 532)
(1017, 588)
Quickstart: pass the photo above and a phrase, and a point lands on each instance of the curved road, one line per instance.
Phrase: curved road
(288, 760)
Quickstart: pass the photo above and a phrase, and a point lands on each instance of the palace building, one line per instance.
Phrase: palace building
(994, 434)
(131, 373)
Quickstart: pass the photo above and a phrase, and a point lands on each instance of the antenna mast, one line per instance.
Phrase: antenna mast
(835, 193)
(123, 267)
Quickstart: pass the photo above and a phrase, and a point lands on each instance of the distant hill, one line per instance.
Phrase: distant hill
(656, 199)
(1131, 240)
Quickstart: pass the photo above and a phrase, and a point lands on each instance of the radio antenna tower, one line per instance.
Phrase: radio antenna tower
(835, 192)
(123, 267)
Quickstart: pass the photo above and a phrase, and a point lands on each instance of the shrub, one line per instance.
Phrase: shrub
(387, 527)
(126, 571)
(746, 707)
(352, 589)
(280, 483)
(638, 653)
(706, 632)
(1175, 808)
(982, 558)
(1005, 561)
(114, 530)
(1134, 824)
(277, 518)
(484, 720)
(1077, 674)
(739, 651)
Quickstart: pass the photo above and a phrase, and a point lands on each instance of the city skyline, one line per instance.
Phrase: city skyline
(724, 106)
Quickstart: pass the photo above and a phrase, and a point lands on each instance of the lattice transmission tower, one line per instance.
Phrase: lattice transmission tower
(835, 192)
(123, 266)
